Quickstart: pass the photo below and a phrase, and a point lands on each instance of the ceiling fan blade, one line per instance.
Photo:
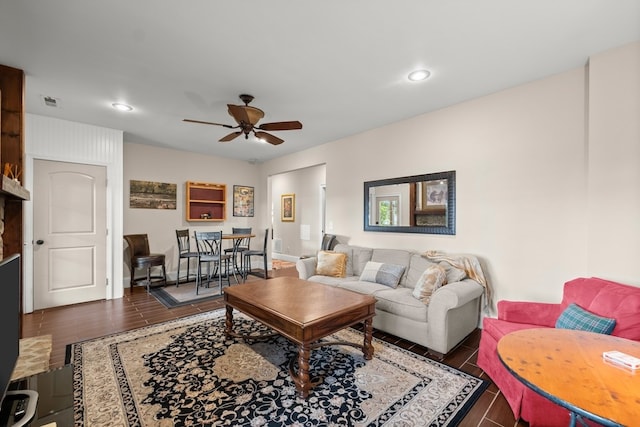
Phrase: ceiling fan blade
(245, 113)
(232, 135)
(207, 123)
(273, 140)
(281, 126)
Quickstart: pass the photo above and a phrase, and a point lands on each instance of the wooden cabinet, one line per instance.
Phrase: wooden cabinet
(206, 201)
(12, 151)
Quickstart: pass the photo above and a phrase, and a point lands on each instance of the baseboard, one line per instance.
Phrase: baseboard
(285, 257)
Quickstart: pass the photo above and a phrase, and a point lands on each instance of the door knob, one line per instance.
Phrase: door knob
(39, 242)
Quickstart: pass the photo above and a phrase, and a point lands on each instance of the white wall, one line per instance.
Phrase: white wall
(147, 163)
(523, 169)
(306, 185)
(548, 180)
(614, 164)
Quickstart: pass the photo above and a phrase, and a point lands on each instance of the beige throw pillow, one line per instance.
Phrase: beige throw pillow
(333, 264)
(432, 278)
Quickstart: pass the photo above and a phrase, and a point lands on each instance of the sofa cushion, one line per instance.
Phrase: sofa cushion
(333, 264)
(357, 257)
(417, 265)
(384, 274)
(333, 281)
(367, 288)
(453, 274)
(432, 278)
(576, 317)
(608, 299)
(401, 302)
(393, 256)
(498, 328)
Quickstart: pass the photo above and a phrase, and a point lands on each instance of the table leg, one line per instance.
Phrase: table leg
(303, 385)
(367, 347)
(228, 323)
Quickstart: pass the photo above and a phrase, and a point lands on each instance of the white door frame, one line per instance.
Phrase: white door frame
(48, 138)
(111, 291)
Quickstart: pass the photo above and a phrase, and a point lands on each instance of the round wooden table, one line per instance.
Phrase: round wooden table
(566, 366)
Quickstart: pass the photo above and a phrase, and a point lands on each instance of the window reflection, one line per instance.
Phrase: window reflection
(420, 204)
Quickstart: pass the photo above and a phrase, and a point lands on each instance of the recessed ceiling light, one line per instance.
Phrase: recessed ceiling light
(121, 107)
(418, 75)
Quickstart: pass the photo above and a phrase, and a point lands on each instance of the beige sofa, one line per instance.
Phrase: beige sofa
(452, 313)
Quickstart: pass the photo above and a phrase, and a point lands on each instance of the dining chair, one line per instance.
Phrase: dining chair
(209, 246)
(239, 246)
(184, 252)
(141, 258)
(328, 242)
(254, 253)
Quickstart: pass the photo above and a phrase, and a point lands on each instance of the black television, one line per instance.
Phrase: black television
(9, 318)
(18, 406)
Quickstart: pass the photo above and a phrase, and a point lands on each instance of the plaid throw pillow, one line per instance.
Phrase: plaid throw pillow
(575, 317)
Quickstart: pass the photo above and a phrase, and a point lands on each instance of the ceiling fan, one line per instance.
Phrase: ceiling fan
(247, 118)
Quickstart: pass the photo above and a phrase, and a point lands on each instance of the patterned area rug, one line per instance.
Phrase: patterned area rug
(187, 372)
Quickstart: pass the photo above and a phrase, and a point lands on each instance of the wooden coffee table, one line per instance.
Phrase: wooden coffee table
(304, 312)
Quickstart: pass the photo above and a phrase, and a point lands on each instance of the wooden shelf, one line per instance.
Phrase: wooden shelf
(432, 210)
(205, 198)
(13, 189)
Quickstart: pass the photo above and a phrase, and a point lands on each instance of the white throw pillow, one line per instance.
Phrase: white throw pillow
(384, 274)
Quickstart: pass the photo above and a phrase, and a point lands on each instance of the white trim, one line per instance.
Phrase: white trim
(48, 138)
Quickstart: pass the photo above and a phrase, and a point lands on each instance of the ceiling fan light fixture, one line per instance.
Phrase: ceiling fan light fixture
(419, 75)
(122, 107)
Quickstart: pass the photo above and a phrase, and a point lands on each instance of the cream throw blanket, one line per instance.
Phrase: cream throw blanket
(470, 265)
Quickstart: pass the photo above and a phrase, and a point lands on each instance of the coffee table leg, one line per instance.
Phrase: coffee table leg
(367, 347)
(302, 382)
(228, 323)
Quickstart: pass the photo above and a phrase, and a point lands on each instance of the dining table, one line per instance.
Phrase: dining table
(236, 239)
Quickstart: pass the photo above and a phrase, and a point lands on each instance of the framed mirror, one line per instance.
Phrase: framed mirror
(412, 204)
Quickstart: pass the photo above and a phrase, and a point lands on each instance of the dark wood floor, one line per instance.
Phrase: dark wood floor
(95, 319)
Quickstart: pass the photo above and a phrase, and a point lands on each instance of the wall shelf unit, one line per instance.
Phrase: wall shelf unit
(206, 201)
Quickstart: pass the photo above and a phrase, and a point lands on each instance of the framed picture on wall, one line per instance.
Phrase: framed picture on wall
(152, 195)
(242, 200)
(288, 207)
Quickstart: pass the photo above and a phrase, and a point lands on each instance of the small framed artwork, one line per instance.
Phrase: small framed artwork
(288, 207)
(242, 200)
(436, 193)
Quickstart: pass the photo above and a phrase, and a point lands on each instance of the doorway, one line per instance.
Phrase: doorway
(69, 233)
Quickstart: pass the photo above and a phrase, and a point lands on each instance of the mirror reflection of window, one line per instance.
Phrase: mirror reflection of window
(388, 210)
(425, 204)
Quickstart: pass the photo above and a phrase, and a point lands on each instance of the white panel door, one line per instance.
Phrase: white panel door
(69, 233)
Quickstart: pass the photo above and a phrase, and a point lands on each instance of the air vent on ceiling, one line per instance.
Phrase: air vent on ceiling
(50, 101)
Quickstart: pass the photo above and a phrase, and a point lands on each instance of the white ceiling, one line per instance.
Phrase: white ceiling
(338, 66)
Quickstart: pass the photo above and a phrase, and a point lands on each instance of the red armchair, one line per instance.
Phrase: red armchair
(602, 297)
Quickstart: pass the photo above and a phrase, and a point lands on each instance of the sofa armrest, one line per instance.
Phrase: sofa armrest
(306, 267)
(535, 313)
(455, 294)
(454, 311)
